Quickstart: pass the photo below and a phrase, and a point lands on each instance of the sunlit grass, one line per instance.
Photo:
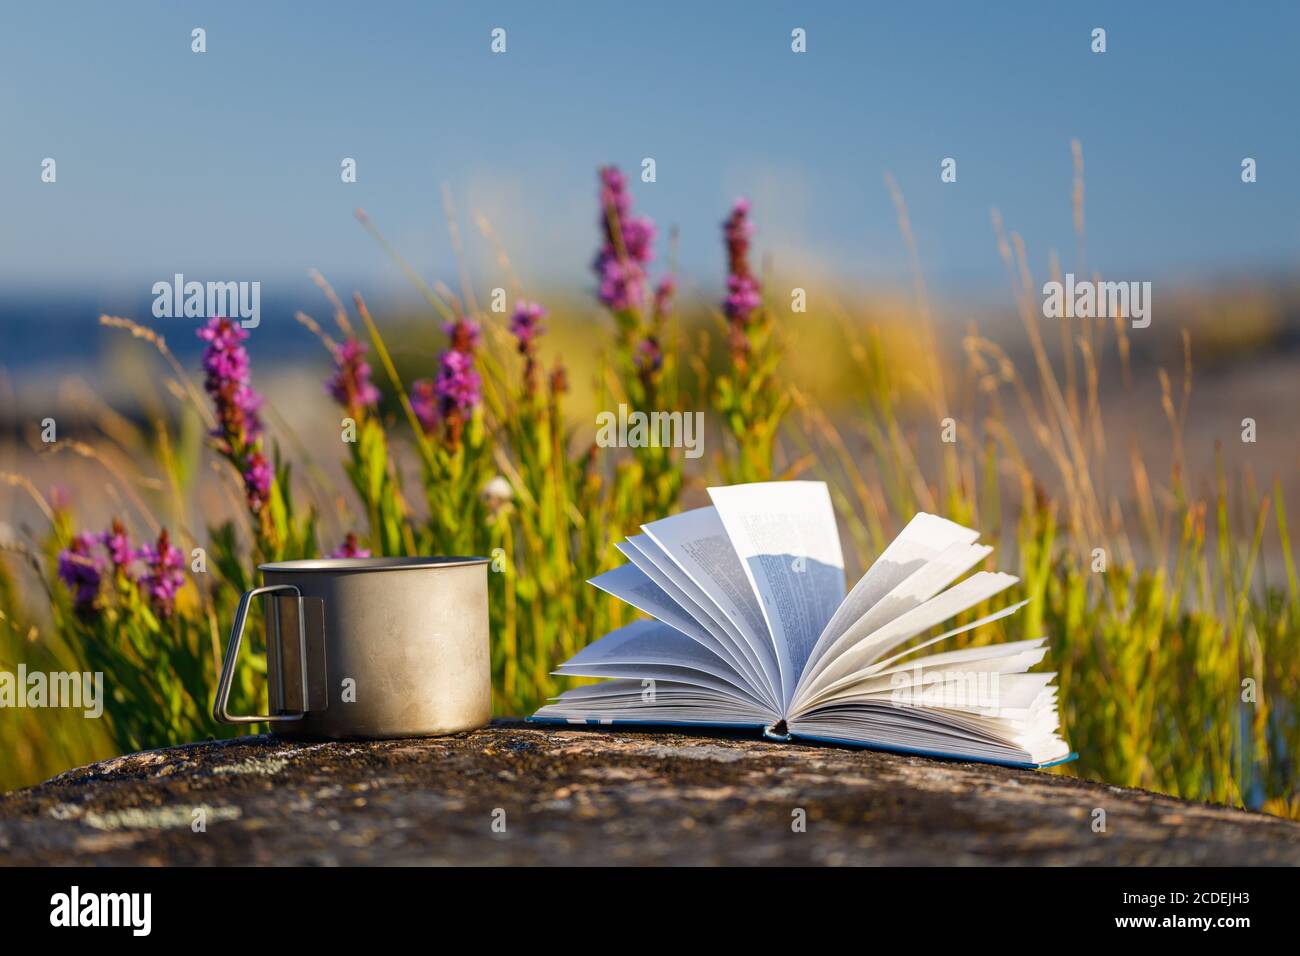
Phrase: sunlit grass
(1178, 664)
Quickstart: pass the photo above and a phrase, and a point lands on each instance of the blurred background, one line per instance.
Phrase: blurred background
(225, 166)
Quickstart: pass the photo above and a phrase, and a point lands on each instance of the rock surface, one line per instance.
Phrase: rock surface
(589, 796)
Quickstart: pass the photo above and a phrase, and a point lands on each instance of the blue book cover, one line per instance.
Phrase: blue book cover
(860, 744)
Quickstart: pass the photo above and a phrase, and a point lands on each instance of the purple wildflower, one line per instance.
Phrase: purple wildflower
(350, 548)
(628, 245)
(118, 544)
(621, 283)
(239, 428)
(81, 570)
(614, 196)
(638, 236)
(225, 364)
(649, 360)
(450, 399)
(744, 296)
(350, 385)
(257, 481)
(424, 404)
(164, 574)
(743, 299)
(526, 325)
(463, 334)
(457, 385)
(739, 230)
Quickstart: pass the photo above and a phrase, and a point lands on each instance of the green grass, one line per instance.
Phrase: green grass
(1156, 653)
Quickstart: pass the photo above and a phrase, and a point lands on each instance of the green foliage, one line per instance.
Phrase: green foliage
(159, 671)
(751, 402)
(1178, 665)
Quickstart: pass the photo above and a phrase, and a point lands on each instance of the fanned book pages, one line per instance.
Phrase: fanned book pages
(751, 627)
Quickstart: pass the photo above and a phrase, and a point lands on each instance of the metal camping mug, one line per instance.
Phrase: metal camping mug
(370, 647)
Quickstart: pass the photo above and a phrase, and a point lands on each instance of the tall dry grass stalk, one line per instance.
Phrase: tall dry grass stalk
(1177, 660)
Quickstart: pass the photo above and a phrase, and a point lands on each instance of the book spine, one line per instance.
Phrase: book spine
(778, 732)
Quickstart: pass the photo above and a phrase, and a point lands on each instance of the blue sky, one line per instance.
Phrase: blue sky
(225, 165)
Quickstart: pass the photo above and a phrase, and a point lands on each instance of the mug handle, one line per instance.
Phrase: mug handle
(220, 707)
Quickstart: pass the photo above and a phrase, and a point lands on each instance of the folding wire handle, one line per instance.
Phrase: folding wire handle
(220, 706)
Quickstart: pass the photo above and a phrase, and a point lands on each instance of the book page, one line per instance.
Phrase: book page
(845, 667)
(651, 650)
(630, 584)
(665, 702)
(785, 535)
(978, 703)
(1014, 658)
(697, 543)
(617, 690)
(878, 666)
(929, 578)
(640, 550)
(650, 642)
(921, 540)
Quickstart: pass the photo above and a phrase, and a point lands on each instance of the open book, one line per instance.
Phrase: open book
(752, 628)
